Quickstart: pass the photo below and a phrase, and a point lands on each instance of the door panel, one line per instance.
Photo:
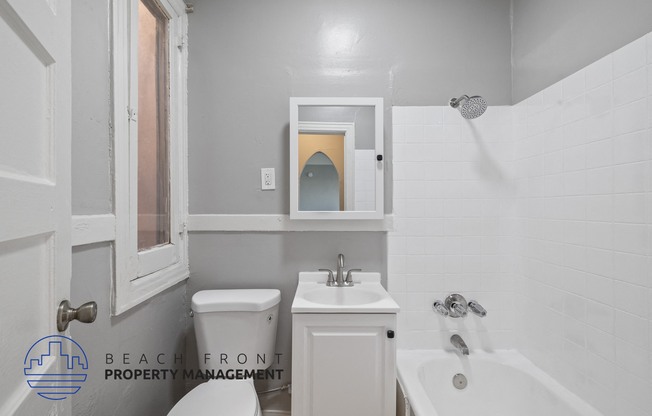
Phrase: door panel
(23, 272)
(25, 145)
(35, 250)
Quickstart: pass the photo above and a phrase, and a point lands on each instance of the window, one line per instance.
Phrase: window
(149, 104)
(153, 127)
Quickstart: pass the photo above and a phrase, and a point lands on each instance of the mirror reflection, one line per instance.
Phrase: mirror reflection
(336, 167)
(336, 158)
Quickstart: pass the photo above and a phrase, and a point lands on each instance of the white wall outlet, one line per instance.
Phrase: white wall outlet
(267, 179)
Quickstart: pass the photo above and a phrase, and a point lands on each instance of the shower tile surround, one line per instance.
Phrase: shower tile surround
(543, 213)
(452, 199)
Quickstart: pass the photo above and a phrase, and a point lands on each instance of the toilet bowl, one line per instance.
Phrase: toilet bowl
(236, 330)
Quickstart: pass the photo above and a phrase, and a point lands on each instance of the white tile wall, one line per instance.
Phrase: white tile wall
(365, 180)
(452, 196)
(602, 331)
(548, 202)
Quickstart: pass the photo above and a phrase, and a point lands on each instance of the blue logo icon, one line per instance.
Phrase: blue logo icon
(53, 374)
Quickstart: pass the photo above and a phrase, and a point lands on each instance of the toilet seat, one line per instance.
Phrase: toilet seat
(219, 398)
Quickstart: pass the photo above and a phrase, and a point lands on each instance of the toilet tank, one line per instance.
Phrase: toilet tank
(236, 329)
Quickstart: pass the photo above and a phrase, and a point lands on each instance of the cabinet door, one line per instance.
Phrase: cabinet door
(343, 364)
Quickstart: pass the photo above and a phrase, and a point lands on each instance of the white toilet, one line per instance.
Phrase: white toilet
(235, 329)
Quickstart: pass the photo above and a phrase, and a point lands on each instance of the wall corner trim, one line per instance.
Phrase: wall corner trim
(280, 222)
(89, 229)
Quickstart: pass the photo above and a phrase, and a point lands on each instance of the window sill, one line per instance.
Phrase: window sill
(139, 290)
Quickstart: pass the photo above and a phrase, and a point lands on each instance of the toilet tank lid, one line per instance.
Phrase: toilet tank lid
(232, 300)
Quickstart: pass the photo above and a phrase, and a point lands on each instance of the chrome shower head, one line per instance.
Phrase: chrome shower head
(470, 107)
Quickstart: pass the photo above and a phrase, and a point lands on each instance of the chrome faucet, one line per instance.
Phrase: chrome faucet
(337, 279)
(459, 344)
(340, 270)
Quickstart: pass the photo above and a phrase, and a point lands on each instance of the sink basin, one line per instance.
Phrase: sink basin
(367, 295)
(341, 296)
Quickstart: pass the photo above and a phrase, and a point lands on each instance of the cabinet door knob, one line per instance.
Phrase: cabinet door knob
(390, 334)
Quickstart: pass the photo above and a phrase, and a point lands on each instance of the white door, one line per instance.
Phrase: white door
(35, 250)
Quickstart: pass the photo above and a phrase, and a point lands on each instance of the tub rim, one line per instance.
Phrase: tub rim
(409, 363)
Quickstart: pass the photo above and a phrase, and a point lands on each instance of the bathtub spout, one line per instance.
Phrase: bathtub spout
(459, 343)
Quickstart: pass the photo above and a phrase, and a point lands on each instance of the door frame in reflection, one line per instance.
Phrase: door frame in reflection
(348, 131)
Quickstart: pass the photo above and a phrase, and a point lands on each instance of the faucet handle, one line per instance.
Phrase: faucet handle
(331, 278)
(477, 309)
(349, 279)
(456, 305)
(459, 309)
(439, 307)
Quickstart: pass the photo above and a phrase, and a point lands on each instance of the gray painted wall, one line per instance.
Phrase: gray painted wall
(247, 58)
(158, 325)
(555, 38)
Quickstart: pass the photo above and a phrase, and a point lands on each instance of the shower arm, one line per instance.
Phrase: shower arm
(455, 102)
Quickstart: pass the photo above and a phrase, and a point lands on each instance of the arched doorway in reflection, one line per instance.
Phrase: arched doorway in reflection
(319, 185)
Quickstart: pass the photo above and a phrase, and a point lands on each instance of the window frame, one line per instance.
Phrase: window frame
(140, 275)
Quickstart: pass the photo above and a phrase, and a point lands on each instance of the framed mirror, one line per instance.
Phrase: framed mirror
(336, 158)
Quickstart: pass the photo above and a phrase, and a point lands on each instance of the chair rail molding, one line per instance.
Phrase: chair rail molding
(281, 222)
(90, 229)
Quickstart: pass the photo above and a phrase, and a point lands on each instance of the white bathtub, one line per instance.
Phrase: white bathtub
(499, 383)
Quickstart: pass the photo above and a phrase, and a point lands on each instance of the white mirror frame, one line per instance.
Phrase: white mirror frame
(295, 126)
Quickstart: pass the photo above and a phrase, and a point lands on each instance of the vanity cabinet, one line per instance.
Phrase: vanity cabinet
(343, 364)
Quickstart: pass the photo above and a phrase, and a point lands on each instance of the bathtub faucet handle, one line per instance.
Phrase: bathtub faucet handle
(477, 309)
(439, 307)
(461, 310)
(456, 305)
